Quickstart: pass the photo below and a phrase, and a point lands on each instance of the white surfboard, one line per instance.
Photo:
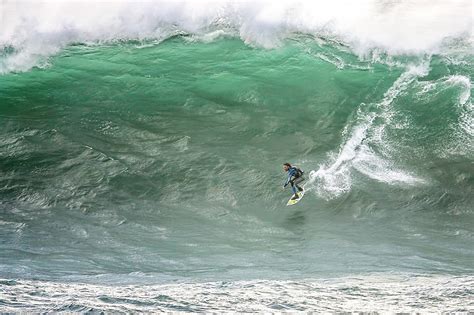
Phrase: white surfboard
(295, 201)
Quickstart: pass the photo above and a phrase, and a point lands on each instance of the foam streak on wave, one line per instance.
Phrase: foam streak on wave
(32, 31)
(334, 178)
(466, 119)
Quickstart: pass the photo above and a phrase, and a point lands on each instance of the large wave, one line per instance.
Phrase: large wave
(33, 30)
(140, 157)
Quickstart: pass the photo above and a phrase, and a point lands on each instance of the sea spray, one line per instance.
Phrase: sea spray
(33, 31)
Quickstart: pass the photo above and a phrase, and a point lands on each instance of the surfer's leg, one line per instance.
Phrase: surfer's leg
(297, 181)
(293, 186)
(295, 192)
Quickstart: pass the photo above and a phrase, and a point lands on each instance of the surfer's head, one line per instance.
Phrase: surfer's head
(286, 166)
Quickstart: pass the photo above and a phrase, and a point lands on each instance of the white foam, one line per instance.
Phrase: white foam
(38, 29)
(382, 170)
(335, 177)
(465, 83)
(465, 127)
(383, 292)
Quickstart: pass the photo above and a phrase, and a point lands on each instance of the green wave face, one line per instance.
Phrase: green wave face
(166, 160)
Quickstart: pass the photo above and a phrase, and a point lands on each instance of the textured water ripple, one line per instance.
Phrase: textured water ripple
(382, 293)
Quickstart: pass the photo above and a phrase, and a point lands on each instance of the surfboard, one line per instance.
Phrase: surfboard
(295, 201)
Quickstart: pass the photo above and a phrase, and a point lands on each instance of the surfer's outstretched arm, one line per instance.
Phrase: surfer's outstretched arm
(291, 173)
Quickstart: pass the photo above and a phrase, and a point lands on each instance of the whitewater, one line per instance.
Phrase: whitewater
(142, 143)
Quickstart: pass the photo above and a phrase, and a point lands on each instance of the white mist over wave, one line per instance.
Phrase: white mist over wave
(334, 178)
(33, 30)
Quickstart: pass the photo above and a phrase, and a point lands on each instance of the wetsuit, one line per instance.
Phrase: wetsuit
(295, 176)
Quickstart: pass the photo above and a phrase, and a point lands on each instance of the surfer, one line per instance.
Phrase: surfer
(295, 176)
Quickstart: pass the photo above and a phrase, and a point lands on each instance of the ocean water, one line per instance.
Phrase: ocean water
(141, 151)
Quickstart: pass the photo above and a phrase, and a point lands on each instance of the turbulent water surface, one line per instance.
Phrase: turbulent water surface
(141, 155)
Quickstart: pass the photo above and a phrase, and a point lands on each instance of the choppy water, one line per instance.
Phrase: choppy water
(387, 293)
(140, 168)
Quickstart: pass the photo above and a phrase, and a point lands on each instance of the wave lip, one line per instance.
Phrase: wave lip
(33, 31)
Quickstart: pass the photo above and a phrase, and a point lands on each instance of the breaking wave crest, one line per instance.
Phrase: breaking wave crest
(33, 31)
